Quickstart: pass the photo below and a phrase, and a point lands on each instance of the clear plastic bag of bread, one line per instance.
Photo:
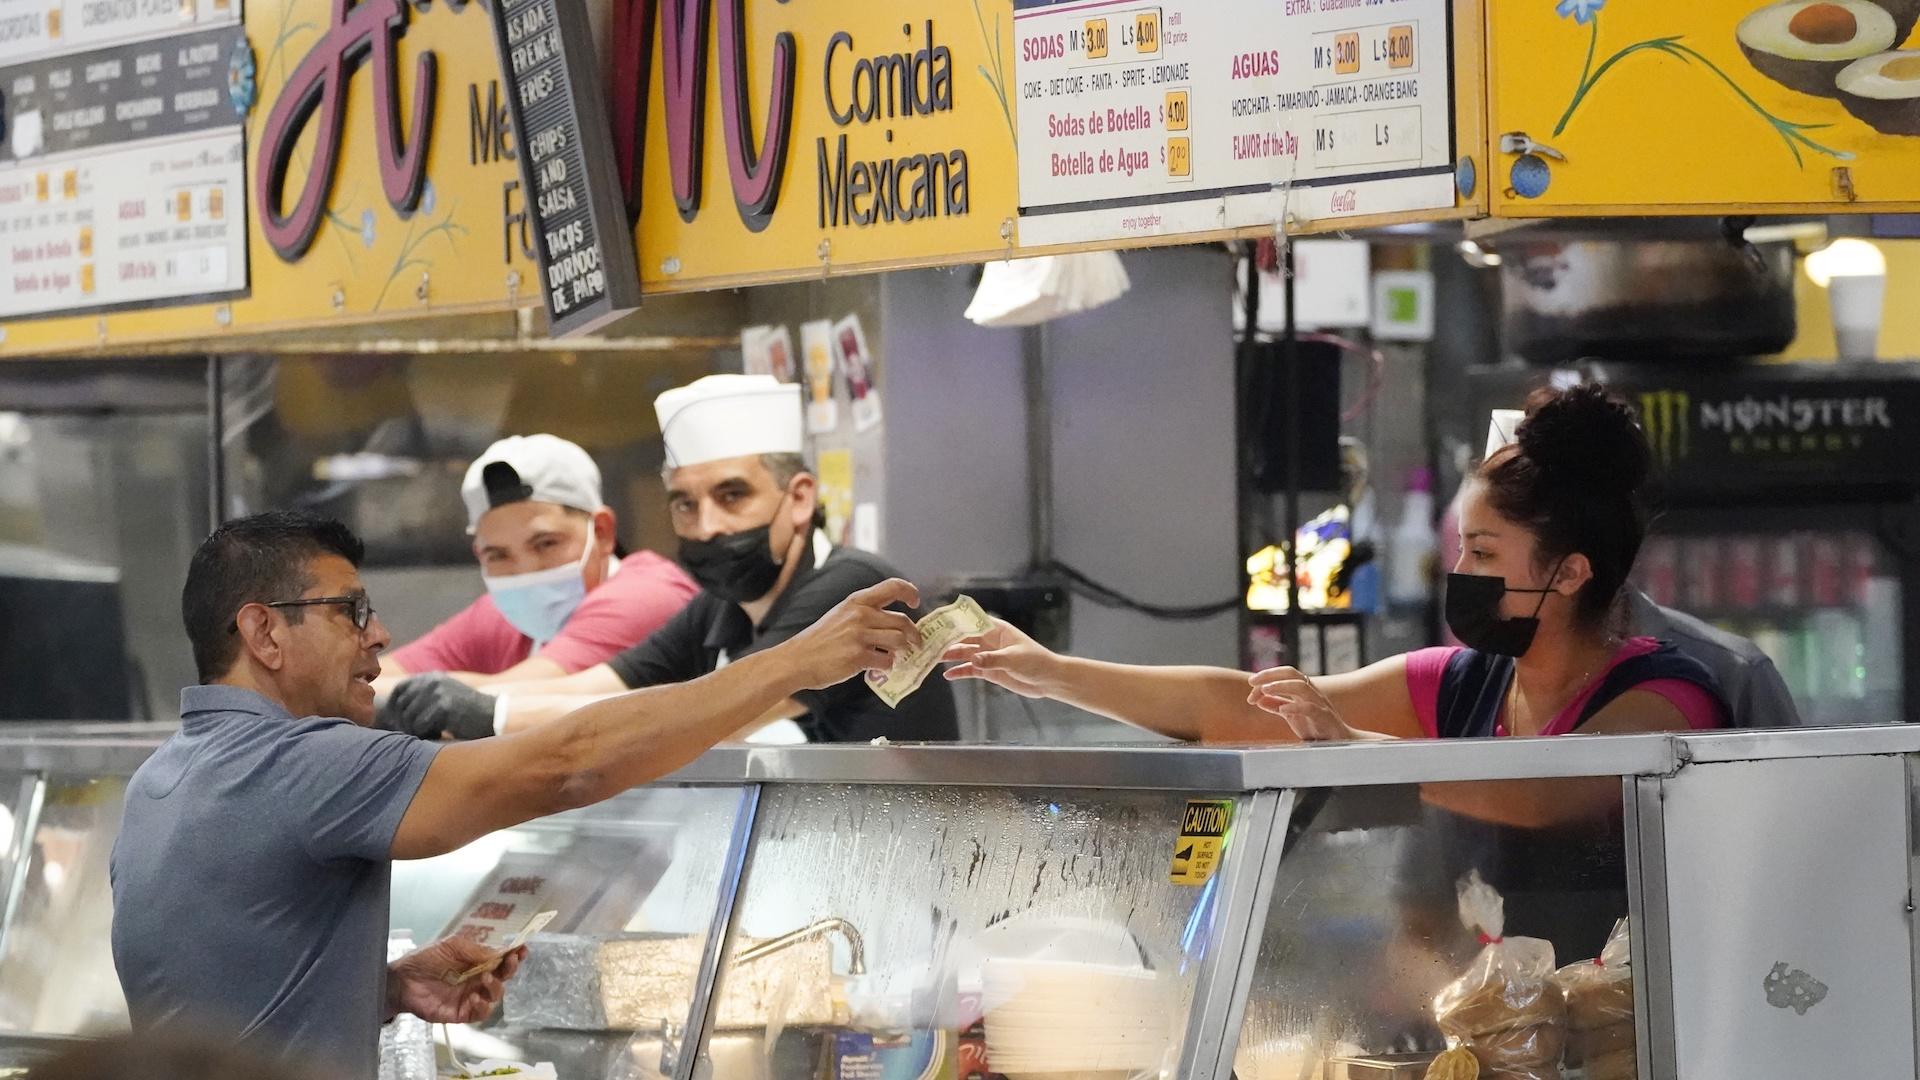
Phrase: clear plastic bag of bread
(1506, 1010)
(1599, 992)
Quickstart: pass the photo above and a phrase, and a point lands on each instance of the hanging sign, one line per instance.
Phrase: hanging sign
(1710, 106)
(1140, 120)
(365, 170)
(805, 139)
(588, 275)
(121, 175)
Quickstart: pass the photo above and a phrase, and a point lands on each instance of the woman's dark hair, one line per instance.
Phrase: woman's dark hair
(1574, 475)
(251, 560)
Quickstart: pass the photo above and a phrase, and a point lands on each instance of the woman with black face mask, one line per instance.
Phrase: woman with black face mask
(1551, 525)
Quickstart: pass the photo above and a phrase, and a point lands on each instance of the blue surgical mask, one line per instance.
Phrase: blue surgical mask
(538, 604)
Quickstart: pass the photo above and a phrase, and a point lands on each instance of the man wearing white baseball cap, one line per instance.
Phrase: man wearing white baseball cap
(745, 508)
(560, 597)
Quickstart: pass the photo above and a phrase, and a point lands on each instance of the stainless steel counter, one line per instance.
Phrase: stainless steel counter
(1329, 919)
(119, 750)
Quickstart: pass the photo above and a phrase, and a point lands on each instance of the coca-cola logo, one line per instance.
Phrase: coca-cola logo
(364, 32)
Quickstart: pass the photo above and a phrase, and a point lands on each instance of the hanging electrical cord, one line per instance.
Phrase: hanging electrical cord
(1082, 585)
(1376, 370)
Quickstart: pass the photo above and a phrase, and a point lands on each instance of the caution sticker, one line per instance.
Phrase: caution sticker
(1203, 835)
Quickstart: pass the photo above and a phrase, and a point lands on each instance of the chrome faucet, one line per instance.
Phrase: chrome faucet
(856, 945)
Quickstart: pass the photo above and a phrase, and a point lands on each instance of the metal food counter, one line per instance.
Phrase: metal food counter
(1285, 913)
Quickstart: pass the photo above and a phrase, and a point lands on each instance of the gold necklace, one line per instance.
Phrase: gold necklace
(1612, 646)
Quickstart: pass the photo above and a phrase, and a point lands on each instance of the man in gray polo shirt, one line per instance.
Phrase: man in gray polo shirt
(251, 876)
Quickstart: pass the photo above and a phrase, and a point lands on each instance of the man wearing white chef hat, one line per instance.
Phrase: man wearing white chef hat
(1756, 694)
(745, 507)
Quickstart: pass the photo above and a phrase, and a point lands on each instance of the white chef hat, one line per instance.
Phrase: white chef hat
(537, 468)
(729, 416)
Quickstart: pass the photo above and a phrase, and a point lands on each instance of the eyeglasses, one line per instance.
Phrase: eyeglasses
(360, 608)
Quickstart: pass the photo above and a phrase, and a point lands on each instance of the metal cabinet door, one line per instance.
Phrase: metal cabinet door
(1784, 876)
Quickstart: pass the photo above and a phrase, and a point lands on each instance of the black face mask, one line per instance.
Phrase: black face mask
(1473, 614)
(736, 567)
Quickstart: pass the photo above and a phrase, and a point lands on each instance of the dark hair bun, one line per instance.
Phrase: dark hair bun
(1584, 435)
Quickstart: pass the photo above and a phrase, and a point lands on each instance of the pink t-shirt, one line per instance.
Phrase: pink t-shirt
(1426, 666)
(623, 612)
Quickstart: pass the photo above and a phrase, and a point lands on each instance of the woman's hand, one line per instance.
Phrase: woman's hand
(1292, 697)
(1004, 657)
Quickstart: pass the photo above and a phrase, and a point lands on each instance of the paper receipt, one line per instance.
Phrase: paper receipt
(939, 631)
(534, 925)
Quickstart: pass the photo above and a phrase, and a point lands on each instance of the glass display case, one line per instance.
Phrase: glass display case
(970, 913)
(636, 884)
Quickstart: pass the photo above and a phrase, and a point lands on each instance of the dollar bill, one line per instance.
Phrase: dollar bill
(534, 925)
(939, 631)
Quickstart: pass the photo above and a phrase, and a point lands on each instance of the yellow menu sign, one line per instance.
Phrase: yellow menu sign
(814, 137)
(1710, 106)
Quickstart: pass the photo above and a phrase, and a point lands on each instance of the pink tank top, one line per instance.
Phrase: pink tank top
(1426, 666)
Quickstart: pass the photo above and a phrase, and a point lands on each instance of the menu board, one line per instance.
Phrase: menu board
(32, 29)
(589, 274)
(1152, 119)
(122, 167)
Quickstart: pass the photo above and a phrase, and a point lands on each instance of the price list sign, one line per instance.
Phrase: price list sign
(122, 173)
(588, 271)
(1185, 116)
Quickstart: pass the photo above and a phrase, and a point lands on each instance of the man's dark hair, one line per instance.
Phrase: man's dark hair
(254, 560)
(784, 467)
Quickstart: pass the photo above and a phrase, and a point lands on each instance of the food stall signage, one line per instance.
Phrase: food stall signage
(1203, 836)
(588, 272)
(756, 175)
(401, 197)
(362, 31)
(881, 136)
(1141, 120)
(121, 159)
(1817, 102)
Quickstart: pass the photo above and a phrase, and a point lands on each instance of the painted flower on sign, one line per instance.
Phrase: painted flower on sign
(1587, 13)
(1580, 11)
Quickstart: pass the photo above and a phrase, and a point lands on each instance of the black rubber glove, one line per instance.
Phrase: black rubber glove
(425, 706)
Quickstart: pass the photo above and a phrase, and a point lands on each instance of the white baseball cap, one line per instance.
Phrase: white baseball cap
(729, 416)
(536, 468)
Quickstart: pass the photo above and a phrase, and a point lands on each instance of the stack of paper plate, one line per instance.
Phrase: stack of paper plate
(1060, 1018)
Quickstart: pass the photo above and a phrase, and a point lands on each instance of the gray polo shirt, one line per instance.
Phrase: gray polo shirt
(251, 875)
(1755, 693)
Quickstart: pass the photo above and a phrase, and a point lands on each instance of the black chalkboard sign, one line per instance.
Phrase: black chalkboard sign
(589, 274)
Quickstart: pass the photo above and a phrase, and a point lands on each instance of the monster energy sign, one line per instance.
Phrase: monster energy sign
(1791, 423)
(1753, 427)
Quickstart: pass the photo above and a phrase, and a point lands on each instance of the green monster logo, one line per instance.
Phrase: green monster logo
(1667, 418)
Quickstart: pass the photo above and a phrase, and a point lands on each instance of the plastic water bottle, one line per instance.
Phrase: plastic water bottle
(406, 1043)
(1410, 576)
